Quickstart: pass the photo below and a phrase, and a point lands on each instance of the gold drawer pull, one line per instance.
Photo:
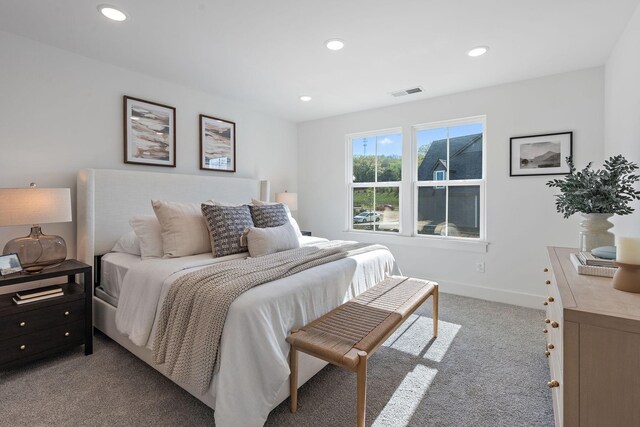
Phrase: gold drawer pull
(550, 346)
(546, 269)
(547, 282)
(66, 313)
(22, 324)
(22, 347)
(544, 331)
(545, 303)
(553, 383)
(550, 299)
(66, 334)
(547, 353)
(547, 321)
(554, 324)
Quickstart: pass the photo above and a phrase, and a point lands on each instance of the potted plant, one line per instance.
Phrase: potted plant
(597, 195)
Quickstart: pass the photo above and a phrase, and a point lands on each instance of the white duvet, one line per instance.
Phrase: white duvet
(254, 354)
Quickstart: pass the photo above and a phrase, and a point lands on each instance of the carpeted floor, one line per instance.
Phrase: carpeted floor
(486, 368)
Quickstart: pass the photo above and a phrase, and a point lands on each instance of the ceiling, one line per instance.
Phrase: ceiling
(268, 53)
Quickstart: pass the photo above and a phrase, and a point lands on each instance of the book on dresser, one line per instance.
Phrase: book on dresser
(19, 301)
(587, 258)
(35, 293)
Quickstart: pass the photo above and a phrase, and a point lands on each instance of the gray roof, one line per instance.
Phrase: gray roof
(465, 156)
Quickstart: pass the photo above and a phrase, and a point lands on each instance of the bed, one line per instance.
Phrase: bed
(253, 375)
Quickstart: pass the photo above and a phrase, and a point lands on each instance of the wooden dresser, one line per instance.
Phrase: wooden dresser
(593, 346)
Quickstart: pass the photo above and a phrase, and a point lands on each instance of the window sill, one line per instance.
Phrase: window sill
(464, 245)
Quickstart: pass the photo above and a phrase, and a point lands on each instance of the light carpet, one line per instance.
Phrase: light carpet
(486, 368)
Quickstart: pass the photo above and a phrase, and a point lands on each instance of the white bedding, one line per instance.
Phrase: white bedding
(254, 354)
(113, 269)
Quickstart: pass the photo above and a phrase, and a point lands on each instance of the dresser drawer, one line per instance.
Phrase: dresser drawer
(29, 345)
(31, 321)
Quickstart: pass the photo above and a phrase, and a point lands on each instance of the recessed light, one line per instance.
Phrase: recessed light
(478, 51)
(112, 13)
(334, 44)
(305, 98)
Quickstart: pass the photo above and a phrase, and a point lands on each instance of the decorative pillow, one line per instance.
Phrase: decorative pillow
(265, 241)
(292, 220)
(148, 230)
(184, 231)
(226, 225)
(269, 215)
(128, 244)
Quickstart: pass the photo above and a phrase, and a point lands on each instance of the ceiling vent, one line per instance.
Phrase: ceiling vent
(407, 91)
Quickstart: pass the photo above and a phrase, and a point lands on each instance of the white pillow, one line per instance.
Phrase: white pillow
(184, 231)
(128, 244)
(292, 220)
(148, 230)
(265, 241)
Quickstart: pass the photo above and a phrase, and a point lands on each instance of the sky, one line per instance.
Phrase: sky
(391, 145)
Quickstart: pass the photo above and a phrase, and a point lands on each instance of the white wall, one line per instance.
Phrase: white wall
(521, 217)
(622, 109)
(60, 112)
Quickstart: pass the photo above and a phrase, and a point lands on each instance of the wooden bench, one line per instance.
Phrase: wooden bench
(348, 335)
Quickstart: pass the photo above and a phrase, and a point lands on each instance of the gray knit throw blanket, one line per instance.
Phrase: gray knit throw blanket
(195, 309)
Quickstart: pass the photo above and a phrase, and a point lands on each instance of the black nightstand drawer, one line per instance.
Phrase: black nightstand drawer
(29, 345)
(34, 320)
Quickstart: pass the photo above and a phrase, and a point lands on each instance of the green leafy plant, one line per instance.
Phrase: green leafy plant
(598, 191)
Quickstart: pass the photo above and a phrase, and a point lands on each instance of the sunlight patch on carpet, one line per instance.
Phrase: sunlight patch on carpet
(416, 335)
(399, 410)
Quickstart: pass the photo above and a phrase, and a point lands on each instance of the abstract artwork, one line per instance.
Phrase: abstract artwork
(217, 144)
(149, 133)
(541, 154)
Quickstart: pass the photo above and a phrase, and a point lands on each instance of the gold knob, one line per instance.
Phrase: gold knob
(66, 313)
(66, 334)
(546, 269)
(544, 331)
(545, 303)
(23, 324)
(547, 282)
(553, 383)
(547, 321)
(547, 353)
(554, 324)
(550, 299)
(22, 347)
(550, 346)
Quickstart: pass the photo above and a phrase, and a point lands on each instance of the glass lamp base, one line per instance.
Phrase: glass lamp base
(37, 251)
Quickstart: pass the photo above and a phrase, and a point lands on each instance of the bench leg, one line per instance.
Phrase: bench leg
(293, 378)
(362, 387)
(435, 311)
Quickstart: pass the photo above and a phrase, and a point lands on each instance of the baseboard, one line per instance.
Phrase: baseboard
(493, 294)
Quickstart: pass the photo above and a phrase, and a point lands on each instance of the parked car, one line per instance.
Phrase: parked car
(366, 217)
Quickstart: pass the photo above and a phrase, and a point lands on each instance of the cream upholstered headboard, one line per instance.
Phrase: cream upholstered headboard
(107, 199)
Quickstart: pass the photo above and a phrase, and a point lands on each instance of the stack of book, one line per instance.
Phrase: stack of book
(33, 295)
(586, 263)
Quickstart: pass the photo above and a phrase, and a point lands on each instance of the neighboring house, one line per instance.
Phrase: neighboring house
(465, 163)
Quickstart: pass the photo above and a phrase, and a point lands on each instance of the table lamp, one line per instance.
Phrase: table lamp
(627, 276)
(289, 199)
(34, 206)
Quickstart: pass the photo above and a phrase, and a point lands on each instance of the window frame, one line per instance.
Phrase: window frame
(350, 185)
(447, 183)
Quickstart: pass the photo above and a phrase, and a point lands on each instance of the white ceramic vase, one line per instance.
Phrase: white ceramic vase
(595, 231)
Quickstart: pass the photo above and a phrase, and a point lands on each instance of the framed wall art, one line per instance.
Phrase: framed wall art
(217, 144)
(540, 154)
(149, 133)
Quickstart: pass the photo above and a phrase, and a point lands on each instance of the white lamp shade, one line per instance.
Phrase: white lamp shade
(289, 199)
(28, 206)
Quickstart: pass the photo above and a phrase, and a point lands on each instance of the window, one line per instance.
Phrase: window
(449, 186)
(442, 196)
(375, 169)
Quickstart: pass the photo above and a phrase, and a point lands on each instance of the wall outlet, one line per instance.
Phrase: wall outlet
(480, 267)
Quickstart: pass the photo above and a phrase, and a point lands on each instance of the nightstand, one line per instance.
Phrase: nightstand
(42, 328)
(305, 233)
